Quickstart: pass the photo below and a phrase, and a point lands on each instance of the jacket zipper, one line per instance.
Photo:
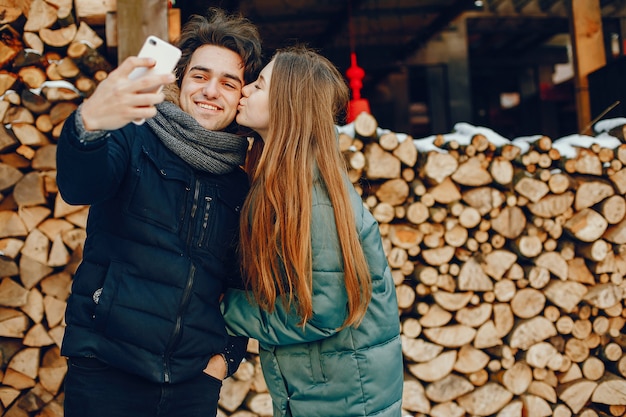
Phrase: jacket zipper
(194, 206)
(179, 317)
(187, 291)
(205, 219)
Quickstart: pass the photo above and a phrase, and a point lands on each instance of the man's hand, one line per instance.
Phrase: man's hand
(217, 367)
(118, 100)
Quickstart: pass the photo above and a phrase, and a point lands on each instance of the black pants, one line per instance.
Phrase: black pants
(94, 389)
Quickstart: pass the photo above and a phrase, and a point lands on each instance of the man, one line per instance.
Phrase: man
(145, 335)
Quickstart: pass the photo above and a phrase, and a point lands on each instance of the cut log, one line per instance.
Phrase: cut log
(406, 152)
(510, 222)
(58, 37)
(501, 170)
(487, 336)
(553, 262)
(518, 378)
(593, 369)
(41, 15)
(233, 393)
(12, 294)
(470, 360)
(419, 350)
(449, 409)
(452, 301)
(540, 355)
(453, 336)
(259, 403)
(365, 125)
(446, 192)
(438, 256)
(87, 58)
(590, 193)
(448, 388)
(604, 295)
(29, 135)
(536, 406)
(435, 369)
(435, 317)
(485, 400)
(474, 316)
(565, 294)
(587, 225)
(528, 332)
(414, 397)
(472, 173)
(575, 394)
(439, 166)
(531, 188)
(394, 192)
(10, 46)
(613, 209)
(85, 34)
(381, 164)
(473, 278)
(611, 390)
(528, 303)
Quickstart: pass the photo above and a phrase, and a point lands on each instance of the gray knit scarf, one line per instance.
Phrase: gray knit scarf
(207, 150)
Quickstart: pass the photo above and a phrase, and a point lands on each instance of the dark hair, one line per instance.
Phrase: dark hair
(233, 32)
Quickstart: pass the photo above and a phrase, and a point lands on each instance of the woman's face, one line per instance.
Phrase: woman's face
(254, 103)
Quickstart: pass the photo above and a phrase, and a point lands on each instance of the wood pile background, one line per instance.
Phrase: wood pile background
(508, 260)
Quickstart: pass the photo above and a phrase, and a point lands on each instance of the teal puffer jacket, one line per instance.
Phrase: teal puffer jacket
(316, 370)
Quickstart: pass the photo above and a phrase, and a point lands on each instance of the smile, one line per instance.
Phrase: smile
(208, 106)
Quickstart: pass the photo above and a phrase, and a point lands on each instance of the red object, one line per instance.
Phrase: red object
(357, 105)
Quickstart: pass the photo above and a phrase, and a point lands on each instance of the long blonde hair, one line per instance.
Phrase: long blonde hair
(306, 94)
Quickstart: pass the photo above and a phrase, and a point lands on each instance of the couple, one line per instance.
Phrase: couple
(187, 256)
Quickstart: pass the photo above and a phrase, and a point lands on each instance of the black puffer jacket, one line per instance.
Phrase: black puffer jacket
(160, 251)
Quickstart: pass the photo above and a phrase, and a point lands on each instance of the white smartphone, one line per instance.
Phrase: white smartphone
(166, 56)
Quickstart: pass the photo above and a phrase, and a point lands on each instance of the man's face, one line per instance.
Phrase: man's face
(211, 86)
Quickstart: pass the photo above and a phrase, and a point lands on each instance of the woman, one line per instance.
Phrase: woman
(321, 299)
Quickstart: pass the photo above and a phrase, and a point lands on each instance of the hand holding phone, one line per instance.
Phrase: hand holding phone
(166, 57)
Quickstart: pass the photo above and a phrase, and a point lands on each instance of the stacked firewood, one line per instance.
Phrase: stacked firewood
(49, 63)
(508, 256)
(509, 263)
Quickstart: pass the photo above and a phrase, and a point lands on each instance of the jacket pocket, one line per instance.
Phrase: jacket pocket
(136, 310)
(317, 370)
(219, 225)
(158, 192)
(105, 297)
(300, 364)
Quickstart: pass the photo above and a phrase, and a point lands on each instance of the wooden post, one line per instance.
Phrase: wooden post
(588, 50)
(136, 19)
(174, 23)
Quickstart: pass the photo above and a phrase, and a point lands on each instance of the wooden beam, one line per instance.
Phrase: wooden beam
(93, 12)
(174, 23)
(588, 51)
(136, 19)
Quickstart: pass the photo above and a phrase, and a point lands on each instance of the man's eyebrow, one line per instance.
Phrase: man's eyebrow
(227, 75)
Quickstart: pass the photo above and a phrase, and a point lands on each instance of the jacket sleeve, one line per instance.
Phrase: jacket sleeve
(234, 352)
(244, 317)
(89, 171)
(281, 327)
